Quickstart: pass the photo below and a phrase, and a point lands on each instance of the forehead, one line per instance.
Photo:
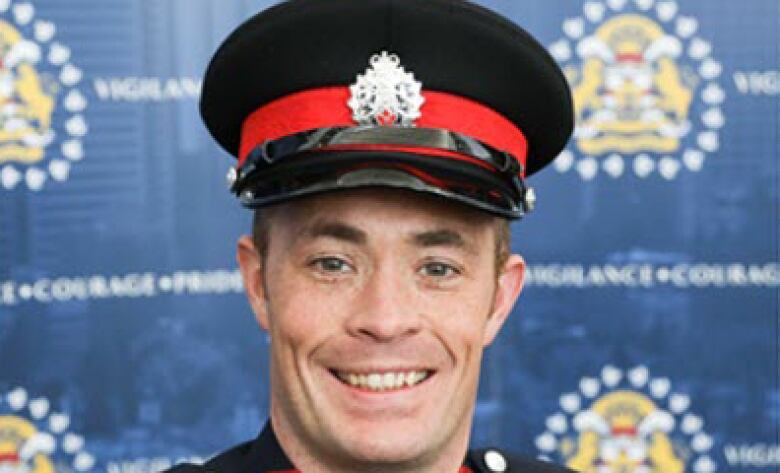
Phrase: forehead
(386, 210)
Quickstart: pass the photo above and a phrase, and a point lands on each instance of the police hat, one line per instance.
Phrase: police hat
(436, 96)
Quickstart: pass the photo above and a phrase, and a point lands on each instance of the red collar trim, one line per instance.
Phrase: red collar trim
(463, 469)
(327, 107)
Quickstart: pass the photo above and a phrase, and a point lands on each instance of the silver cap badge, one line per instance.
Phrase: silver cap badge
(386, 94)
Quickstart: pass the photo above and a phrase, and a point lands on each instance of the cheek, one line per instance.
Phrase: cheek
(469, 305)
(301, 315)
(461, 321)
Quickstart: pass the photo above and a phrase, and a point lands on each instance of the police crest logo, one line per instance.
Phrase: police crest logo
(386, 94)
(33, 439)
(41, 108)
(627, 422)
(645, 88)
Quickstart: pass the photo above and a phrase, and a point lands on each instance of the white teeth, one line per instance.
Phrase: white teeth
(411, 379)
(389, 380)
(383, 381)
(374, 381)
(400, 380)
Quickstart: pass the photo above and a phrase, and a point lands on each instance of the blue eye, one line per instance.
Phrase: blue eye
(331, 264)
(439, 270)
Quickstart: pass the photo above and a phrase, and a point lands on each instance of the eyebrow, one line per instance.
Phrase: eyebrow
(336, 230)
(442, 237)
(350, 234)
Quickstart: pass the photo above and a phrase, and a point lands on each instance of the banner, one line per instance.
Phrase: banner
(646, 338)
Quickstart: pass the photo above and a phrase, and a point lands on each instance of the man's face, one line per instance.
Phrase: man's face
(378, 304)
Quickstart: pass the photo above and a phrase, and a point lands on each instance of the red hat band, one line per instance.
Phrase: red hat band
(328, 107)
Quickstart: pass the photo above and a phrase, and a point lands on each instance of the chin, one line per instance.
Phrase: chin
(383, 443)
(387, 449)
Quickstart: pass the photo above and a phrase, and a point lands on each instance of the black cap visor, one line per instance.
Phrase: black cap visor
(313, 172)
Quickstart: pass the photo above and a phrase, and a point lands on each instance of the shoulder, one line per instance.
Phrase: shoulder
(493, 460)
(228, 460)
(488, 460)
(186, 468)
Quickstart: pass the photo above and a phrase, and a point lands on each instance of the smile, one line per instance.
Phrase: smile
(385, 381)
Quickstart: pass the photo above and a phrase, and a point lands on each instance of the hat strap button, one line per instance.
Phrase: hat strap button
(530, 198)
(232, 177)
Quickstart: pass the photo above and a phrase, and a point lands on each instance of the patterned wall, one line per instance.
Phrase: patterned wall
(125, 340)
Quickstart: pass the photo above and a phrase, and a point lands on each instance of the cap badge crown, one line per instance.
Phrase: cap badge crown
(386, 94)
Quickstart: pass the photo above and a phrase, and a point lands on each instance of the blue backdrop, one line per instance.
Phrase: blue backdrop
(126, 343)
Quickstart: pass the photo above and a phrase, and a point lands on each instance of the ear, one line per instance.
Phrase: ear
(251, 264)
(508, 287)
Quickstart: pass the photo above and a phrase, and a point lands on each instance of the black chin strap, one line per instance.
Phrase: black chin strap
(323, 138)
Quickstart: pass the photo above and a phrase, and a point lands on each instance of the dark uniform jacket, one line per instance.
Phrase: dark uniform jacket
(264, 455)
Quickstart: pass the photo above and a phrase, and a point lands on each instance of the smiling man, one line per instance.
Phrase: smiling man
(378, 304)
(384, 145)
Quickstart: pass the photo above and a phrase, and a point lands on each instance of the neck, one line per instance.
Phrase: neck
(309, 458)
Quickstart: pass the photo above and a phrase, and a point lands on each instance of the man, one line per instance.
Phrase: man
(384, 145)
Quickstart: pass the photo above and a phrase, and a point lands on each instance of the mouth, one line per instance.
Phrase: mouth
(383, 381)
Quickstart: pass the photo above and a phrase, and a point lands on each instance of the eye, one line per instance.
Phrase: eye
(437, 269)
(330, 264)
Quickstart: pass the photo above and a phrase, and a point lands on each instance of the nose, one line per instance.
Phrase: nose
(384, 309)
